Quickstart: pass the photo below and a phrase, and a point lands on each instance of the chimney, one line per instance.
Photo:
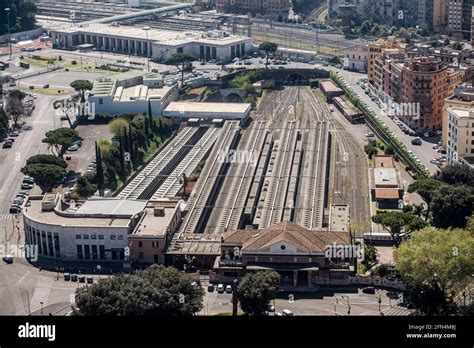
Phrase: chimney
(159, 211)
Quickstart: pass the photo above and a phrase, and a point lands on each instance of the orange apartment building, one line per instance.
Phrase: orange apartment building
(427, 81)
(263, 7)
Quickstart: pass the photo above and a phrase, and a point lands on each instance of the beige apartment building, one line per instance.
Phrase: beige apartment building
(460, 135)
(375, 50)
(463, 99)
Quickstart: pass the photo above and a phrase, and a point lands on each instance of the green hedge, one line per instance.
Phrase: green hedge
(379, 127)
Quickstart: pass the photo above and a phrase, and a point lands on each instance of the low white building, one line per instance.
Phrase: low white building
(131, 92)
(227, 111)
(157, 44)
(97, 231)
(355, 58)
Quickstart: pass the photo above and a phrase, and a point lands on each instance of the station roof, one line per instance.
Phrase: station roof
(203, 108)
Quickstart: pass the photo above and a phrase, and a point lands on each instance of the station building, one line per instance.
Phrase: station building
(299, 255)
(226, 111)
(156, 44)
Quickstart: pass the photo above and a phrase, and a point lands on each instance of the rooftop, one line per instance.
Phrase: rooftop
(461, 113)
(154, 35)
(198, 107)
(156, 225)
(304, 240)
(94, 214)
(383, 161)
(385, 177)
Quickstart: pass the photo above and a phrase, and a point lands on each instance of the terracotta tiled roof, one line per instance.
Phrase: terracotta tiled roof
(387, 193)
(305, 240)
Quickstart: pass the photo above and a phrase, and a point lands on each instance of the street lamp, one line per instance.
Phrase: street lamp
(146, 28)
(7, 10)
(41, 303)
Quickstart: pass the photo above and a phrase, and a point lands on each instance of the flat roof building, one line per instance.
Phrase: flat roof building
(157, 44)
(386, 189)
(131, 92)
(226, 111)
(96, 231)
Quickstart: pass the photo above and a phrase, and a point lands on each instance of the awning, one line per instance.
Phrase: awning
(255, 268)
(309, 269)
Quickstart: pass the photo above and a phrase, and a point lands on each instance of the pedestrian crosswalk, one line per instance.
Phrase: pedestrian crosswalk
(396, 311)
(6, 217)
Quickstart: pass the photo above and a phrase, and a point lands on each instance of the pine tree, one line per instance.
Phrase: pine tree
(121, 159)
(132, 152)
(150, 118)
(99, 170)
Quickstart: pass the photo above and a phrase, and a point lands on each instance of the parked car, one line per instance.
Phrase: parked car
(46, 85)
(220, 288)
(416, 141)
(270, 308)
(210, 288)
(90, 280)
(287, 313)
(26, 186)
(82, 278)
(435, 146)
(74, 147)
(74, 277)
(228, 289)
(7, 145)
(8, 259)
(369, 290)
(15, 134)
(426, 135)
(15, 209)
(67, 276)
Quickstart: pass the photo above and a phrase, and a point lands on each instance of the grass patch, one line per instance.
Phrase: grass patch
(36, 62)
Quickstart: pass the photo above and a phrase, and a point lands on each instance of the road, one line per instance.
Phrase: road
(24, 287)
(317, 303)
(425, 152)
(27, 144)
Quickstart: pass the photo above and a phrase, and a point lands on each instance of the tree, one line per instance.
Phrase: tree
(47, 159)
(21, 16)
(150, 118)
(269, 48)
(394, 221)
(117, 126)
(437, 258)
(156, 291)
(180, 60)
(45, 175)
(99, 178)
(85, 185)
(451, 205)
(14, 105)
(456, 174)
(370, 151)
(256, 290)
(184, 180)
(81, 86)
(425, 187)
(60, 139)
(365, 27)
(389, 150)
(370, 256)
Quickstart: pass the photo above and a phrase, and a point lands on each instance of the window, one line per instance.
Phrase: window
(154, 244)
(140, 244)
(120, 237)
(78, 236)
(101, 236)
(94, 252)
(87, 252)
(93, 236)
(85, 236)
(101, 101)
(102, 252)
(112, 237)
(79, 252)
